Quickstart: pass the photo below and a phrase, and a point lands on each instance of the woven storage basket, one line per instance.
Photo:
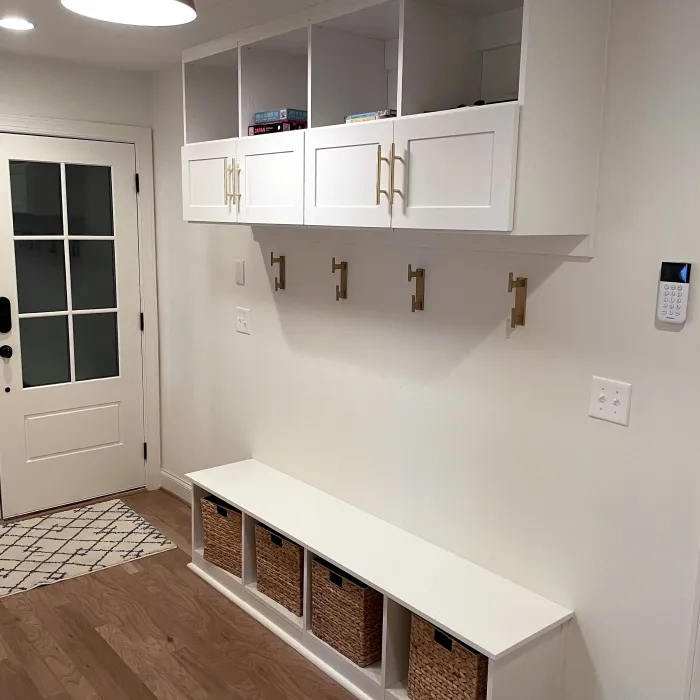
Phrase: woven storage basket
(346, 613)
(280, 565)
(441, 668)
(223, 534)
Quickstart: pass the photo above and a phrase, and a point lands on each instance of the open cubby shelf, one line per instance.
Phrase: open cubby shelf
(413, 56)
(519, 631)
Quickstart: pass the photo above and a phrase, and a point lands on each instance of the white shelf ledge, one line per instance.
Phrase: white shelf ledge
(480, 608)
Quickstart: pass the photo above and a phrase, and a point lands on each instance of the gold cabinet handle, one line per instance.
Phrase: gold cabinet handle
(380, 191)
(228, 174)
(392, 181)
(226, 195)
(237, 187)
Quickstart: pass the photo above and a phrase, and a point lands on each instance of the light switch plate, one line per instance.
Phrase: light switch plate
(243, 320)
(610, 400)
(240, 272)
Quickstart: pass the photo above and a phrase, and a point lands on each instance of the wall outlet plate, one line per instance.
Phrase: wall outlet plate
(243, 321)
(610, 400)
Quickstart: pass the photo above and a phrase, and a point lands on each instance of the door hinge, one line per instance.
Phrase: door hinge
(143, 324)
(138, 184)
(145, 451)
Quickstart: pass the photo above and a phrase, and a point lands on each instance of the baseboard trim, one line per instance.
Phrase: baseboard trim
(176, 485)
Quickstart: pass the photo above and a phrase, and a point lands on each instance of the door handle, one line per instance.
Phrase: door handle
(6, 352)
(5, 315)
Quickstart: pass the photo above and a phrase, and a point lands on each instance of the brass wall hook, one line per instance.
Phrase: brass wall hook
(341, 290)
(281, 281)
(517, 313)
(418, 299)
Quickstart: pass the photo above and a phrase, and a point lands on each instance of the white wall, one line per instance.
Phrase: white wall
(442, 423)
(38, 87)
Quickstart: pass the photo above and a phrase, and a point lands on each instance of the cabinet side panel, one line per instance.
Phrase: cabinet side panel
(562, 89)
(534, 672)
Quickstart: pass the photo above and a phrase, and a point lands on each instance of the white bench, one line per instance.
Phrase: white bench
(520, 631)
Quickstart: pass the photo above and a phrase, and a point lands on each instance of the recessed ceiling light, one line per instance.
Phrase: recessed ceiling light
(16, 24)
(141, 13)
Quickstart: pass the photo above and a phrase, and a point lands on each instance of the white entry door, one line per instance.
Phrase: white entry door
(348, 175)
(270, 178)
(71, 387)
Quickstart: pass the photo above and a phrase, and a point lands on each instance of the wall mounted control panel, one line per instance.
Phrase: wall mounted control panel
(674, 289)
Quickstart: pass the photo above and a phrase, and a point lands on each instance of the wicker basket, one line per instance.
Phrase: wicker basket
(280, 564)
(346, 613)
(442, 668)
(223, 534)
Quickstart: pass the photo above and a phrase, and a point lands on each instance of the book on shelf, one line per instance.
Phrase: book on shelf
(370, 116)
(280, 115)
(275, 127)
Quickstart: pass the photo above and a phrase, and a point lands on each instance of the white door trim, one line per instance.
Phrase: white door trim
(142, 139)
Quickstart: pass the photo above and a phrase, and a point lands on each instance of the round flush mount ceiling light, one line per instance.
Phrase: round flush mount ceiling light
(140, 13)
(16, 24)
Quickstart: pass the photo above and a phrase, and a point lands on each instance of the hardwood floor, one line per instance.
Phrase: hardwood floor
(148, 629)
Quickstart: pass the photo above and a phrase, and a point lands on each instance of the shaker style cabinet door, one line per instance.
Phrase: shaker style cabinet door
(208, 182)
(456, 170)
(270, 178)
(347, 175)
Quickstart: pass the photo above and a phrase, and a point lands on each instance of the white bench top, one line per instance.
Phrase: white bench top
(484, 610)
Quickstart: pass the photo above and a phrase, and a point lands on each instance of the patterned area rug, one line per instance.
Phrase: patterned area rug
(64, 545)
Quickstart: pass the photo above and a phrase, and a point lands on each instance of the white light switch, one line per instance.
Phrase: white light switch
(240, 272)
(243, 320)
(610, 400)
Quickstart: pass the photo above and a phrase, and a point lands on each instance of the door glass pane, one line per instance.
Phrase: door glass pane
(36, 198)
(96, 350)
(93, 283)
(89, 197)
(41, 276)
(45, 358)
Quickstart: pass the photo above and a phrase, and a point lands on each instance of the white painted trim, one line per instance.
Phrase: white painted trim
(176, 485)
(276, 629)
(142, 139)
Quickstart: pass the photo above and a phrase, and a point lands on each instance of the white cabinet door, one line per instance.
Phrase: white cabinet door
(347, 175)
(456, 170)
(270, 179)
(208, 181)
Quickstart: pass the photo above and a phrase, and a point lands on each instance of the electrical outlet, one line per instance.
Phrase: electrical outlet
(243, 320)
(240, 273)
(610, 400)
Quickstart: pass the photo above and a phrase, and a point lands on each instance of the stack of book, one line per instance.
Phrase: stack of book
(370, 116)
(274, 120)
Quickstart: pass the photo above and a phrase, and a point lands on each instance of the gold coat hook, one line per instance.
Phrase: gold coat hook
(418, 299)
(517, 313)
(341, 290)
(281, 281)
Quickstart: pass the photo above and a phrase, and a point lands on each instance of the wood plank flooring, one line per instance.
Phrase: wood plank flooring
(147, 630)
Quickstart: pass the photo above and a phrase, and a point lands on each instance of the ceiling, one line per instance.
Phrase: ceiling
(64, 35)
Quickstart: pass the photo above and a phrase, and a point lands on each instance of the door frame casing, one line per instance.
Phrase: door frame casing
(142, 140)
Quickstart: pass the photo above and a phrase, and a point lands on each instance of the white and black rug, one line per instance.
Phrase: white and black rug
(64, 545)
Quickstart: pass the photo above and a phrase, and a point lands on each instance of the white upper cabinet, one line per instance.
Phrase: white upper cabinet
(456, 169)
(347, 175)
(270, 178)
(499, 107)
(208, 182)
